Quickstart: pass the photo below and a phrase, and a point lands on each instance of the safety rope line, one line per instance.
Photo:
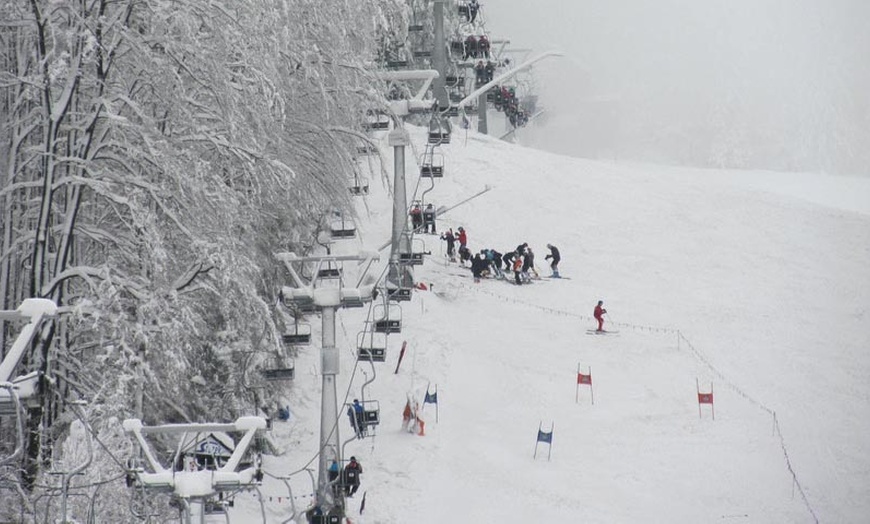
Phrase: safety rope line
(699, 355)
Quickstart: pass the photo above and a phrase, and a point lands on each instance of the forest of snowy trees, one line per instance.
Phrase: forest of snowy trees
(154, 155)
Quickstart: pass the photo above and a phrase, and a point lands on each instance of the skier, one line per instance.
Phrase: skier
(351, 414)
(554, 265)
(518, 268)
(479, 74)
(464, 254)
(360, 418)
(508, 259)
(429, 219)
(598, 314)
(478, 265)
(473, 7)
(351, 477)
(462, 237)
(416, 217)
(332, 475)
(529, 265)
(451, 244)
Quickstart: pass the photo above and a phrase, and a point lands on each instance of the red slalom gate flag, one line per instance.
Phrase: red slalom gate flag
(584, 379)
(705, 398)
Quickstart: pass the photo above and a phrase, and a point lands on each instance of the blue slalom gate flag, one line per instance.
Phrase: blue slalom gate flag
(546, 437)
(431, 398)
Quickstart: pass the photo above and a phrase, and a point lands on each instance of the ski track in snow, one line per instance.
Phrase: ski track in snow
(770, 287)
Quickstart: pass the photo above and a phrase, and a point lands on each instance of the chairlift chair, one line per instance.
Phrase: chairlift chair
(371, 346)
(299, 336)
(399, 294)
(439, 131)
(278, 369)
(397, 64)
(366, 149)
(371, 415)
(332, 270)
(433, 165)
(388, 318)
(376, 121)
(358, 186)
(423, 53)
(342, 228)
(415, 256)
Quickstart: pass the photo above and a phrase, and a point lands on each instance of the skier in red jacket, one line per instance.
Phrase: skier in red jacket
(598, 314)
(462, 237)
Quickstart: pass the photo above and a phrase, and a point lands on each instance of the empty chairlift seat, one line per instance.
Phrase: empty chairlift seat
(439, 131)
(300, 335)
(388, 318)
(371, 346)
(278, 369)
(342, 228)
(433, 165)
(415, 256)
(358, 186)
(376, 121)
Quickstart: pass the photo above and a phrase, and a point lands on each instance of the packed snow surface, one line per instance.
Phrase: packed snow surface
(754, 284)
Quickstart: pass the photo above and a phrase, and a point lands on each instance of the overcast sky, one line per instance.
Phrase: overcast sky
(781, 84)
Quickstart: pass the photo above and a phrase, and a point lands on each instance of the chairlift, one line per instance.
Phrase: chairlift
(300, 336)
(423, 53)
(278, 369)
(415, 256)
(388, 318)
(439, 131)
(333, 270)
(371, 346)
(299, 299)
(432, 165)
(399, 294)
(457, 47)
(376, 121)
(415, 28)
(397, 64)
(358, 185)
(464, 11)
(371, 415)
(366, 149)
(342, 228)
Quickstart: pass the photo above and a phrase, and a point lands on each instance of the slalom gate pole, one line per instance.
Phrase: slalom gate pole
(576, 379)
(401, 356)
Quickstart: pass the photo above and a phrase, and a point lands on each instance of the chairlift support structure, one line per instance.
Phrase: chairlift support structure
(195, 488)
(36, 311)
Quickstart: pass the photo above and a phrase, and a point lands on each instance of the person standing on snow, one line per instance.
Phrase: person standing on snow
(462, 237)
(554, 264)
(529, 264)
(451, 244)
(599, 315)
(518, 269)
(478, 265)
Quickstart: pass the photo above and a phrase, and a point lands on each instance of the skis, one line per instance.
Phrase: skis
(602, 332)
(558, 278)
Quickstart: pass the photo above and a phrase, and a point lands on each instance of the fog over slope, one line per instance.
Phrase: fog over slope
(772, 84)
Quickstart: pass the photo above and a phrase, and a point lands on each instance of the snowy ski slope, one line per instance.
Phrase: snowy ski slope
(757, 282)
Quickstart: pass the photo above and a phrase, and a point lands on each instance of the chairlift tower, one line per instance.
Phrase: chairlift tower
(439, 56)
(399, 275)
(327, 299)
